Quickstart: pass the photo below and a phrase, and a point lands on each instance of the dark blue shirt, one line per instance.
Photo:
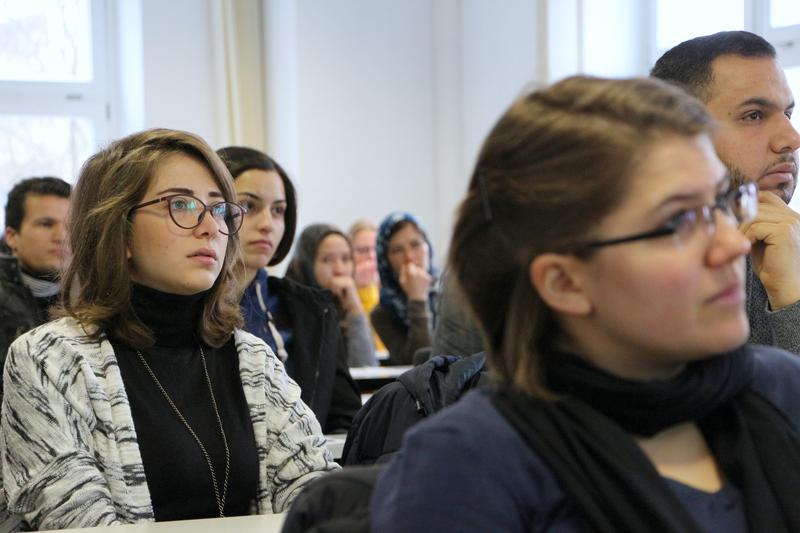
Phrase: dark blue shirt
(256, 305)
(467, 469)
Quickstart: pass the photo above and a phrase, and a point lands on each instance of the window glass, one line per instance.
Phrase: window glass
(784, 13)
(45, 40)
(679, 20)
(40, 145)
(793, 77)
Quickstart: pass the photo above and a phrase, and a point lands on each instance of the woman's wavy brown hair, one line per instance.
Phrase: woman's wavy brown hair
(97, 283)
(557, 162)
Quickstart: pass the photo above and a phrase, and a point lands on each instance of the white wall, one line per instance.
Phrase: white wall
(371, 105)
(609, 29)
(500, 60)
(365, 110)
(385, 104)
(177, 76)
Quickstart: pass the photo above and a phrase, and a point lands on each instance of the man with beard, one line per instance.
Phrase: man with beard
(737, 75)
(36, 213)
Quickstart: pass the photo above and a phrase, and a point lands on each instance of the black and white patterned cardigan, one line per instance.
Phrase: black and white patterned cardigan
(70, 457)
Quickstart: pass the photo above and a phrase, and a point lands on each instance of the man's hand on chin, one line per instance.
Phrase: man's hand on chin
(775, 235)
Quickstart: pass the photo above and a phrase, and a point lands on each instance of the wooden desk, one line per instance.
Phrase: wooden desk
(265, 523)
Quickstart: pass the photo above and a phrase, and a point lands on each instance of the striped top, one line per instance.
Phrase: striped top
(70, 456)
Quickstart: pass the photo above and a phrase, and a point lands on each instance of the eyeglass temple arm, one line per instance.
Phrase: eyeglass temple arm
(151, 202)
(650, 234)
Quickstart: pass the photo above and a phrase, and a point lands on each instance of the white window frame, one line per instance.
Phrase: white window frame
(88, 100)
(786, 40)
(651, 23)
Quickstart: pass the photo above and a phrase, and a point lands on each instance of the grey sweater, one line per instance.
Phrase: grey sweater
(358, 337)
(774, 328)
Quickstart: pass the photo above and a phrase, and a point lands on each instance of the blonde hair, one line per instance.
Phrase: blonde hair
(360, 225)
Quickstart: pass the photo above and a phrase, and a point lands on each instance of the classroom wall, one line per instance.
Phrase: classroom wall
(372, 105)
(180, 77)
(385, 104)
(364, 110)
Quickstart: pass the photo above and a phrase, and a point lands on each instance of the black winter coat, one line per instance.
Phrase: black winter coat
(318, 354)
(19, 311)
(378, 428)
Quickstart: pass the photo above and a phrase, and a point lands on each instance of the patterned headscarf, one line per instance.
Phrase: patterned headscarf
(393, 299)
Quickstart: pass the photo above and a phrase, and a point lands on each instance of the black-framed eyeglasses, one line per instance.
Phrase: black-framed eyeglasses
(739, 205)
(188, 212)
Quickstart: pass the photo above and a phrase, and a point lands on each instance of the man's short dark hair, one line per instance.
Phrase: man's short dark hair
(689, 63)
(43, 186)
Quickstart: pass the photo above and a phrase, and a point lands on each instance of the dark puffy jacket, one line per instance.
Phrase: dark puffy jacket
(378, 428)
(317, 353)
(335, 503)
(19, 310)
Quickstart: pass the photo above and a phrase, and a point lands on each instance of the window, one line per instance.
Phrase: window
(673, 26)
(793, 77)
(780, 25)
(784, 13)
(46, 41)
(53, 88)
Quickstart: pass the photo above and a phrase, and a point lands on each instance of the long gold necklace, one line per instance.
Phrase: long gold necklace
(220, 500)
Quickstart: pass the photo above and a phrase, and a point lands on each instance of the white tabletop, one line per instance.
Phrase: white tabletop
(265, 523)
(377, 372)
(335, 444)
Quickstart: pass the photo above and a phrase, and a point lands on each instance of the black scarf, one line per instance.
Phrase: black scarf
(585, 437)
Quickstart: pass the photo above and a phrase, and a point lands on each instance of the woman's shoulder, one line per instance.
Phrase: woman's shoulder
(474, 425)
(250, 343)
(254, 353)
(776, 374)
(62, 350)
(256, 358)
(474, 413)
(468, 452)
(64, 333)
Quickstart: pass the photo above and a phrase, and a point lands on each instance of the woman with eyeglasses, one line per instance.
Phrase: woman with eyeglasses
(145, 401)
(599, 250)
(405, 314)
(299, 322)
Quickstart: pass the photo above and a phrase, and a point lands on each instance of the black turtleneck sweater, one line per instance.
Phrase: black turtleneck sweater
(177, 472)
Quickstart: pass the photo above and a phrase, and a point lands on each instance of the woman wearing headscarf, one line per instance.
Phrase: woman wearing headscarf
(404, 317)
(323, 258)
